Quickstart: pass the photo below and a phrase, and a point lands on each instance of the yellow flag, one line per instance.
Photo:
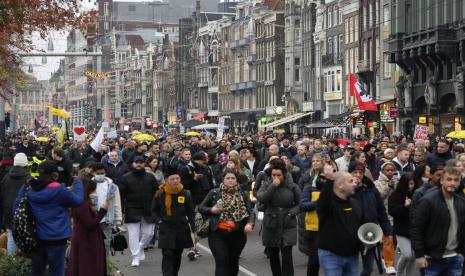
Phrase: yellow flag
(61, 133)
(59, 112)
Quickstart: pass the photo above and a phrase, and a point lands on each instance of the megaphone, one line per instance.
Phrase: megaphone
(370, 234)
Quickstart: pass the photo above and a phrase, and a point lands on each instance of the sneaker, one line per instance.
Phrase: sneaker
(135, 262)
(390, 270)
(141, 255)
(191, 254)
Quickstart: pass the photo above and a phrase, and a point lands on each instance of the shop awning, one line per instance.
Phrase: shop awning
(286, 120)
(378, 102)
(322, 125)
(192, 123)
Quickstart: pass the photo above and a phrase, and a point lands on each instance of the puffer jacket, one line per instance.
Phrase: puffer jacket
(49, 203)
(137, 190)
(281, 207)
(382, 185)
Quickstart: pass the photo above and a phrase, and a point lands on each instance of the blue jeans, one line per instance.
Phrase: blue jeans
(53, 255)
(335, 265)
(451, 266)
(11, 245)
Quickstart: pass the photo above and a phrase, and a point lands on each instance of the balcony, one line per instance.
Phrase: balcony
(364, 66)
(240, 43)
(251, 58)
(251, 85)
(331, 60)
(202, 84)
(241, 86)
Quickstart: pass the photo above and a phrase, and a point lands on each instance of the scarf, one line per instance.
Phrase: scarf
(233, 204)
(168, 190)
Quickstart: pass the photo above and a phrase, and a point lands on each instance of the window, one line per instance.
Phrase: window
(296, 61)
(330, 17)
(387, 66)
(297, 75)
(131, 8)
(330, 45)
(339, 16)
(338, 80)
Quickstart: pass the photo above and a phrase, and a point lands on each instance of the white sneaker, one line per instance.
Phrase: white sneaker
(390, 270)
(141, 254)
(135, 262)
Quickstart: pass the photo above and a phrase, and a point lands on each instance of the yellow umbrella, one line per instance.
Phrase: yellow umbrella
(42, 139)
(456, 134)
(55, 129)
(192, 133)
(144, 137)
(135, 132)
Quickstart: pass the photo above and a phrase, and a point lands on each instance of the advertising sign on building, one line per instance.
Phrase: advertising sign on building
(220, 132)
(393, 112)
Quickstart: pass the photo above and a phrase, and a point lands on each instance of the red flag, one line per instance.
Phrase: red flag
(364, 99)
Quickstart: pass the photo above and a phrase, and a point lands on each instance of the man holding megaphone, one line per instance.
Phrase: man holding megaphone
(373, 214)
(339, 217)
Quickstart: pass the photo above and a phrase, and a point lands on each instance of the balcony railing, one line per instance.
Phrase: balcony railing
(331, 60)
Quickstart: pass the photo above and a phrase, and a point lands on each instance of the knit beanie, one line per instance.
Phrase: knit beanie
(20, 160)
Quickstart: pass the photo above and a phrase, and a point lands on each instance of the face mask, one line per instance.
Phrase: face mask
(425, 179)
(99, 178)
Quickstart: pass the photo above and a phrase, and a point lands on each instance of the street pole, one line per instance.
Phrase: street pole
(2, 120)
(13, 116)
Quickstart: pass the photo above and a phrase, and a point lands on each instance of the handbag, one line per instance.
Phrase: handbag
(118, 241)
(202, 224)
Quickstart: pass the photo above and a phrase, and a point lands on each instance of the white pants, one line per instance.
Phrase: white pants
(406, 262)
(139, 234)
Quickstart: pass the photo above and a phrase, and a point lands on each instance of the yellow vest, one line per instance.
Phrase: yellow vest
(37, 161)
(311, 218)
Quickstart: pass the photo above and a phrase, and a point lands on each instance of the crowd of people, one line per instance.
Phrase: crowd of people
(310, 192)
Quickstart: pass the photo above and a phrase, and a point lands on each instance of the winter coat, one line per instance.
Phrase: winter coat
(303, 164)
(281, 207)
(430, 226)
(174, 231)
(400, 213)
(212, 198)
(115, 171)
(29, 150)
(158, 174)
(408, 167)
(290, 151)
(435, 159)
(382, 185)
(254, 170)
(372, 205)
(137, 191)
(114, 215)
(198, 188)
(87, 255)
(79, 155)
(49, 202)
(65, 169)
(308, 179)
(9, 187)
(308, 218)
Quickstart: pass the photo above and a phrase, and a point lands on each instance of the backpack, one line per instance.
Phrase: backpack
(24, 225)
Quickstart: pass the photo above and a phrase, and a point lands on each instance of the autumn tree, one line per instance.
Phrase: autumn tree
(19, 19)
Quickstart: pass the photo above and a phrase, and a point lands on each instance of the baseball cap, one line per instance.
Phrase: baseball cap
(138, 159)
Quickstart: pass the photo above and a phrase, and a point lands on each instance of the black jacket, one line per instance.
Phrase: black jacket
(9, 187)
(339, 221)
(436, 158)
(79, 155)
(212, 198)
(65, 169)
(198, 188)
(137, 190)
(115, 171)
(372, 205)
(430, 225)
(174, 231)
(255, 168)
(400, 213)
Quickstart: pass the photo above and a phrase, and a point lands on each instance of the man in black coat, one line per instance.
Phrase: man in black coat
(437, 229)
(441, 155)
(197, 177)
(9, 187)
(114, 166)
(26, 147)
(137, 189)
(65, 166)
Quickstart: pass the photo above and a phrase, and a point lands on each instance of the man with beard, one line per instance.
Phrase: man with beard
(441, 155)
(287, 149)
(137, 189)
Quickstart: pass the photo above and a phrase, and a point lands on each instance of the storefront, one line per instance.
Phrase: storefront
(440, 125)
(388, 114)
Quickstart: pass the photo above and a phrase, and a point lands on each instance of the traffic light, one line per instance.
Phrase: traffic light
(263, 119)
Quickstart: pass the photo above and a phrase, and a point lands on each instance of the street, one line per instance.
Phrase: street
(253, 261)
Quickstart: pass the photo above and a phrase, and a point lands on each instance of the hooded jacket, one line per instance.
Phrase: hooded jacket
(49, 203)
(114, 214)
(9, 187)
(372, 204)
(407, 167)
(382, 184)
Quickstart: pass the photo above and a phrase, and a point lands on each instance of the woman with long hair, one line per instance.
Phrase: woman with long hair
(421, 175)
(87, 255)
(245, 177)
(399, 208)
(280, 198)
(152, 165)
(312, 176)
(231, 218)
(359, 156)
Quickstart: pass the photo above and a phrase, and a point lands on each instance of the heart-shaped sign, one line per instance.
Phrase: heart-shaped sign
(79, 130)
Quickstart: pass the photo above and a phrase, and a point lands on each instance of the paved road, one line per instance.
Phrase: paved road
(253, 261)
